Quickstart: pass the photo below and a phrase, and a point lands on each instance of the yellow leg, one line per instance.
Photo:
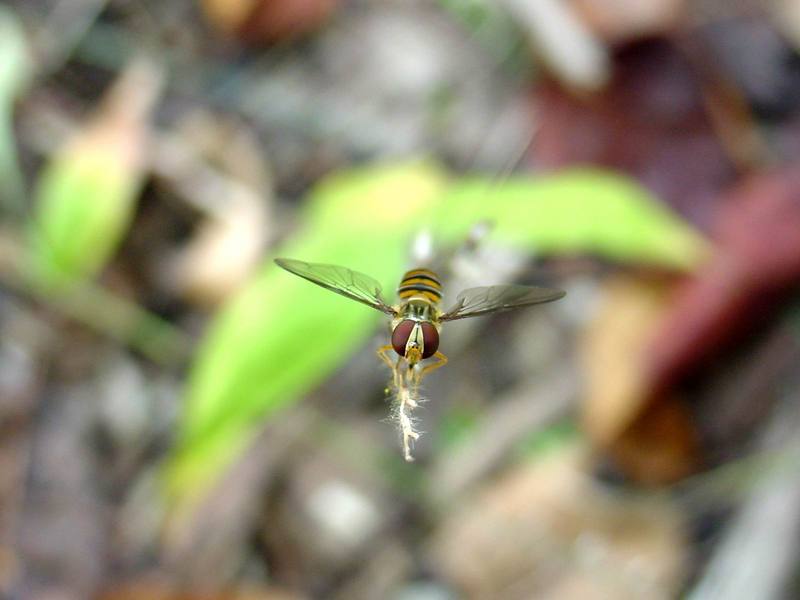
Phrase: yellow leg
(442, 361)
(384, 352)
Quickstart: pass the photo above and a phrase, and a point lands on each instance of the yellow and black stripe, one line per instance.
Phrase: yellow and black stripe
(420, 282)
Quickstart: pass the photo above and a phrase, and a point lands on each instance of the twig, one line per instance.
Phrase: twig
(100, 310)
(531, 406)
(756, 557)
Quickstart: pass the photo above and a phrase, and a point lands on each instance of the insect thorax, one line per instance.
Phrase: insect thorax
(417, 309)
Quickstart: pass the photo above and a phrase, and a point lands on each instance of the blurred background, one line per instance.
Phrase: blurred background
(180, 419)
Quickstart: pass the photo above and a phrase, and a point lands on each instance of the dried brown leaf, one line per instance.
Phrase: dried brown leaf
(651, 437)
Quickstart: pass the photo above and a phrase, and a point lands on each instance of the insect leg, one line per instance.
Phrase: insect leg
(441, 361)
(384, 354)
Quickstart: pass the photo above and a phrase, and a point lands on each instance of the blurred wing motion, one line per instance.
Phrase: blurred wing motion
(497, 298)
(351, 284)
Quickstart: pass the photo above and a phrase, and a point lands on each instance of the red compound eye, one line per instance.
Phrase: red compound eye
(431, 337)
(400, 336)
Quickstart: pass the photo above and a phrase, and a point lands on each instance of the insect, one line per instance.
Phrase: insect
(416, 319)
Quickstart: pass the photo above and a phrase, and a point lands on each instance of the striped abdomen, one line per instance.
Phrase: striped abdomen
(420, 282)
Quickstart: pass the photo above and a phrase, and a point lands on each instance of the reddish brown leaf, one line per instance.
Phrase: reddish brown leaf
(652, 439)
(757, 262)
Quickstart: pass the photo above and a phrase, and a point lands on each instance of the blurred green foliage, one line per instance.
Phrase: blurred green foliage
(575, 212)
(456, 426)
(15, 74)
(281, 337)
(548, 439)
(86, 199)
(84, 205)
(86, 194)
(495, 30)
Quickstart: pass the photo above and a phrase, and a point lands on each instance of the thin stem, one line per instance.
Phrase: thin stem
(100, 310)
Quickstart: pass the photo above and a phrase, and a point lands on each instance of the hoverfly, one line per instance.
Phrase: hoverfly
(416, 319)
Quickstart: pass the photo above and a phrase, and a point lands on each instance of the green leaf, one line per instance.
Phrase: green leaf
(282, 336)
(87, 193)
(85, 203)
(581, 211)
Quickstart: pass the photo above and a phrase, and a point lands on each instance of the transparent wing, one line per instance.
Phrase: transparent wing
(351, 284)
(483, 300)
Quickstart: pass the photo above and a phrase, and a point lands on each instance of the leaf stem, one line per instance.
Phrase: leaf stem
(99, 309)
